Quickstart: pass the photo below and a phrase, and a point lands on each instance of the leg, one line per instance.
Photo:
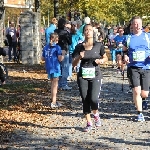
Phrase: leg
(113, 56)
(54, 87)
(137, 98)
(135, 78)
(83, 88)
(130, 85)
(119, 60)
(145, 80)
(95, 86)
(14, 44)
(9, 52)
(65, 72)
(70, 65)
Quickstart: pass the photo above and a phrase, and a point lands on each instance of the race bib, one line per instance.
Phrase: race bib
(139, 56)
(88, 72)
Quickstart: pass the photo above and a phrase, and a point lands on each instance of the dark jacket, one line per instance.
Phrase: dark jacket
(65, 38)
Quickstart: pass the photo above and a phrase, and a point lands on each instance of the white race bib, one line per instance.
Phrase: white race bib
(88, 72)
(139, 56)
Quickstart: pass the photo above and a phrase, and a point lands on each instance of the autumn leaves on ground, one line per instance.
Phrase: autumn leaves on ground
(24, 99)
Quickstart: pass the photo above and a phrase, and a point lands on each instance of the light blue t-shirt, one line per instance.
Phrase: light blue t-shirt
(139, 50)
(76, 38)
(48, 32)
(51, 53)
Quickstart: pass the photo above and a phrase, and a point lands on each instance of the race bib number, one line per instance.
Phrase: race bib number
(88, 72)
(139, 56)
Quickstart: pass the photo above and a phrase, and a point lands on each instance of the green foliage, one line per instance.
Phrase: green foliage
(111, 10)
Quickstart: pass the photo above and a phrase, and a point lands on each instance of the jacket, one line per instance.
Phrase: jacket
(65, 39)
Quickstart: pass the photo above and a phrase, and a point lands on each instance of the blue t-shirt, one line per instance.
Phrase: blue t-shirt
(51, 53)
(119, 39)
(139, 50)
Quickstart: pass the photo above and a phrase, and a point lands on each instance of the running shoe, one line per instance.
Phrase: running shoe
(97, 121)
(88, 128)
(53, 106)
(140, 117)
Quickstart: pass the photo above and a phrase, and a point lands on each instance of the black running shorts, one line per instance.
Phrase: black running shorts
(139, 77)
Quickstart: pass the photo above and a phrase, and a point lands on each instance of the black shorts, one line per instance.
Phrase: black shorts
(128, 73)
(139, 77)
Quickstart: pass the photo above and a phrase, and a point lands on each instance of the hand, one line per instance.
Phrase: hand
(63, 52)
(126, 59)
(82, 54)
(99, 61)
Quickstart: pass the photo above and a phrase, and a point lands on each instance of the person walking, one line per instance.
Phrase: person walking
(52, 55)
(50, 30)
(12, 40)
(91, 54)
(138, 58)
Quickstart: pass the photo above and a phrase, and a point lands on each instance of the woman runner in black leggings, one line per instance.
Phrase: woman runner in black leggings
(89, 76)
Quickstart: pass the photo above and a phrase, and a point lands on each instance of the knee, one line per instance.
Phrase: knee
(144, 94)
(137, 91)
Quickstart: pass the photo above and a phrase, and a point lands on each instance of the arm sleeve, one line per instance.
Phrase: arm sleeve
(102, 50)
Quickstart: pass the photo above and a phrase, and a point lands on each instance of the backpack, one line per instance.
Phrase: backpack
(146, 37)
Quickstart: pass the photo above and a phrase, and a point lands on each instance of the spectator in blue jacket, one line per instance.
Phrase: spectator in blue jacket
(50, 30)
(77, 38)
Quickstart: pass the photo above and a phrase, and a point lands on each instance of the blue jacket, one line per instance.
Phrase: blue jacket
(76, 38)
(48, 32)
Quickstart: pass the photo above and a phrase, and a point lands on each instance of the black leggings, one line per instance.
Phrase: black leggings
(89, 91)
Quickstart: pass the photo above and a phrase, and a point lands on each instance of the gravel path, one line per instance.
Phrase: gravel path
(62, 129)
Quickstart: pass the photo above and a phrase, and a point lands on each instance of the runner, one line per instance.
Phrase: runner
(138, 60)
(111, 45)
(89, 76)
(119, 43)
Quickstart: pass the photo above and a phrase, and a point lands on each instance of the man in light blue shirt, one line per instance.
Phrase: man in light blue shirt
(138, 60)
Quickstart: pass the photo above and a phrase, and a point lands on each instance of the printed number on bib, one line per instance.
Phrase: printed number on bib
(139, 56)
(88, 72)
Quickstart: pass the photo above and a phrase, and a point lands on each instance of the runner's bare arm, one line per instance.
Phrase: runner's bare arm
(76, 60)
(124, 48)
